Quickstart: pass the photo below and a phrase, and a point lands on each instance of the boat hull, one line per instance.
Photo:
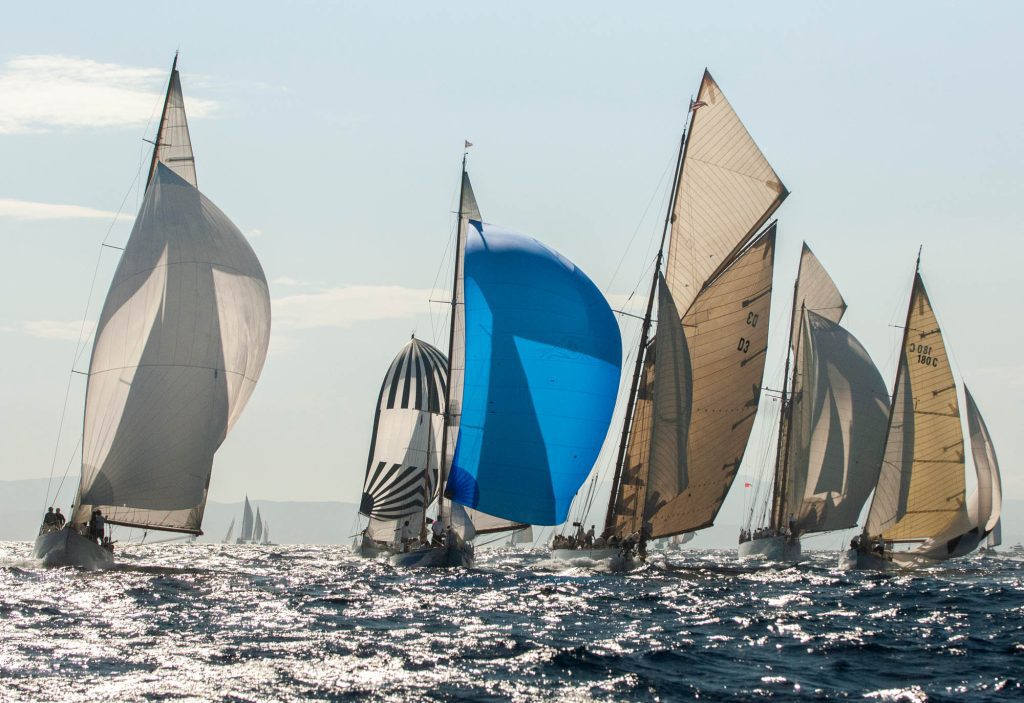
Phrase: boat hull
(435, 557)
(66, 547)
(855, 560)
(612, 556)
(775, 548)
(368, 549)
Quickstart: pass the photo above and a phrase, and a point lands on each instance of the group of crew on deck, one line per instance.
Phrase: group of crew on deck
(95, 529)
(408, 538)
(762, 532)
(875, 545)
(636, 542)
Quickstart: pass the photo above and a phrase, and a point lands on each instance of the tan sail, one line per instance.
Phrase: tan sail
(727, 191)
(816, 292)
(173, 146)
(920, 489)
(727, 336)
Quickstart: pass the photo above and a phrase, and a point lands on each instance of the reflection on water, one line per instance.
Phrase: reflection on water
(232, 622)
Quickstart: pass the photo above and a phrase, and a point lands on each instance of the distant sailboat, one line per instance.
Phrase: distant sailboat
(248, 524)
(921, 498)
(696, 385)
(230, 534)
(257, 530)
(179, 347)
(831, 428)
(533, 369)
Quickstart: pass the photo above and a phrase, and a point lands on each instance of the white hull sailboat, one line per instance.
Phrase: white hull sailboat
(696, 385)
(831, 426)
(178, 349)
(920, 514)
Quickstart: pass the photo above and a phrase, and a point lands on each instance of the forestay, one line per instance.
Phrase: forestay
(542, 363)
(180, 344)
(920, 491)
(837, 433)
(405, 448)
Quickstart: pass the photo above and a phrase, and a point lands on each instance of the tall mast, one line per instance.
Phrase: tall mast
(778, 517)
(443, 469)
(163, 117)
(645, 330)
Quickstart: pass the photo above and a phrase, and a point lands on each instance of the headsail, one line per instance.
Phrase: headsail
(727, 190)
(542, 360)
(920, 491)
(257, 530)
(173, 146)
(231, 532)
(988, 499)
(837, 434)
(179, 347)
(401, 470)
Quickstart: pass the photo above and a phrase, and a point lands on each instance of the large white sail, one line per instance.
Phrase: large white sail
(179, 347)
(920, 492)
(247, 521)
(727, 190)
(988, 498)
(837, 433)
(173, 146)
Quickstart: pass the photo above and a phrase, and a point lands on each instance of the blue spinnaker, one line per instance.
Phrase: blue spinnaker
(543, 360)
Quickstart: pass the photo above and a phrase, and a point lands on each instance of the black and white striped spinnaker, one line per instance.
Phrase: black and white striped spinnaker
(405, 449)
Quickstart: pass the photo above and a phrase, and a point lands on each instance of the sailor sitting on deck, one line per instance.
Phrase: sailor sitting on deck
(60, 518)
(437, 530)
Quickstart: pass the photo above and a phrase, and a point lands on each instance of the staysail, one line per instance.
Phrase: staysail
(405, 449)
(179, 347)
(173, 146)
(541, 354)
(679, 454)
(920, 491)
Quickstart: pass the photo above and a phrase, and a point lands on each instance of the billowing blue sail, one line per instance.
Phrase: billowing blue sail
(543, 357)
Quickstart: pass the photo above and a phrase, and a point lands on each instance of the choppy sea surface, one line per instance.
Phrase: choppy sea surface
(242, 623)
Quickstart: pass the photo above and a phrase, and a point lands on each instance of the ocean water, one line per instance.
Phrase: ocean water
(238, 623)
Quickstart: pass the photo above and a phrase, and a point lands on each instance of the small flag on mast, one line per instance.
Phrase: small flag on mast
(746, 485)
(694, 104)
(468, 143)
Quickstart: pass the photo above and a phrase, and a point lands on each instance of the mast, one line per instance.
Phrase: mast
(442, 469)
(786, 420)
(895, 386)
(644, 333)
(163, 117)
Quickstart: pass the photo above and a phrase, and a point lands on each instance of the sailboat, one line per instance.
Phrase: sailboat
(247, 535)
(178, 349)
(920, 513)
(533, 370)
(832, 425)
(257, 530)
(696, 385)
(401, 469)
(231, 532)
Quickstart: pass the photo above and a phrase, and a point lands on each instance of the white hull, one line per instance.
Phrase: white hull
(447, 556)
(612, 556)
(68, 548)
(776, 548)
(369, 549)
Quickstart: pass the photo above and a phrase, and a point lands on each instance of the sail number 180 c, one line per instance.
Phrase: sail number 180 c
(924, 354)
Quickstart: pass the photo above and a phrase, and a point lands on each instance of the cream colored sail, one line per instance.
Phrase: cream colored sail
(816, 292)
(727, 191)
(179, 347)
(920, 491)
(173, 146)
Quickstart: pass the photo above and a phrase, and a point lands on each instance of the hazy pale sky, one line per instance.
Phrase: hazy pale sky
(332, 137)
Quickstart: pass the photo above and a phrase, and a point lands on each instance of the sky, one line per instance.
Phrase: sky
(332, 134)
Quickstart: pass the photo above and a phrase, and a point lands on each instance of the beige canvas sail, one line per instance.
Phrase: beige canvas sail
(727, 191)
(727, 336)
(920, 489)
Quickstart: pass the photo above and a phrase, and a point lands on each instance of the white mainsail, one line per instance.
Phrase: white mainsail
(247, 521)
(179, 347)
(257, 530)
(173, 146)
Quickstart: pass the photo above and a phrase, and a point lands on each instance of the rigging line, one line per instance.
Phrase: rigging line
(639, 224)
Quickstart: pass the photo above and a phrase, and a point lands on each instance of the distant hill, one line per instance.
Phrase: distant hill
(291, 522)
